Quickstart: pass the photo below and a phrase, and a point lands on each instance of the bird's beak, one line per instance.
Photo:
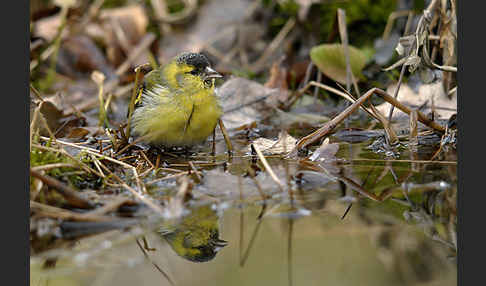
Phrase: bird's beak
(210, 73)
(219, 244)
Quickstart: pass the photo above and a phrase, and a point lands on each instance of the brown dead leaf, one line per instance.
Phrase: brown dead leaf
(68, 125)
(78, 133)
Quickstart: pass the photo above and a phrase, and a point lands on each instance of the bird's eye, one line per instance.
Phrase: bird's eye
(208, 83)
(193, 72)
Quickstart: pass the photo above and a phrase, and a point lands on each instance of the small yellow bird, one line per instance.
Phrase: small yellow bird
(196, 236)
(177, 105)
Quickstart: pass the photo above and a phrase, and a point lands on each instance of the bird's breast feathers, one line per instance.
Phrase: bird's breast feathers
(174, 118)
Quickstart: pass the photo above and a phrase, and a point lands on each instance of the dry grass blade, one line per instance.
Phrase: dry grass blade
(267, 167)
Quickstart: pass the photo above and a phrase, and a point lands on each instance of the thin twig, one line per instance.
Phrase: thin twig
(69, 194)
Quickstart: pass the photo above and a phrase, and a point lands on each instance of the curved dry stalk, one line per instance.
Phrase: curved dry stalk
(267, 167)
(332, 124)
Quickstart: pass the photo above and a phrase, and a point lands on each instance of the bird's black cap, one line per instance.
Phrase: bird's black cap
(199, 61)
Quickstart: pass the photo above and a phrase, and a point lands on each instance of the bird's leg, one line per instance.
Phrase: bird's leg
(213, 151)
(155, 151)
(226, 137)
(146, 245)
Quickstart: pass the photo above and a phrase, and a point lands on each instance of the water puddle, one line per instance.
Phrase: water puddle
(361, 220)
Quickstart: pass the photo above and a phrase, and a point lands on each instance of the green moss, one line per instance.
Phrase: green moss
(40, 157)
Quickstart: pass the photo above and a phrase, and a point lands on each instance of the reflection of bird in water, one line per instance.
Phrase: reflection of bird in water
(196, 236)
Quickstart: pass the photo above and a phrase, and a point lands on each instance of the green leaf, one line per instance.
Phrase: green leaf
(330, 60)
